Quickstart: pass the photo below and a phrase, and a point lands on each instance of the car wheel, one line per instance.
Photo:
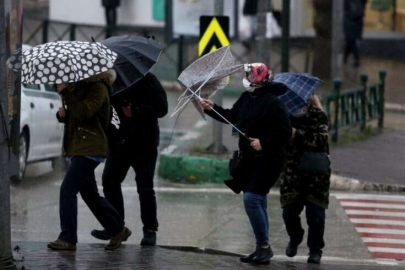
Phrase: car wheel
(22, 159)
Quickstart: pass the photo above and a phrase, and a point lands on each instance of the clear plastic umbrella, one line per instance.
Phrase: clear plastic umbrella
(204, 77)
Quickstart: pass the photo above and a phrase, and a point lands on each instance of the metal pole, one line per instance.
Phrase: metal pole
(263, 44)
(337, 38)
(217, 146)
(285, 48)
(6, 256)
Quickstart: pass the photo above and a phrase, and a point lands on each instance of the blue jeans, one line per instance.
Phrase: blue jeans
(256, 209)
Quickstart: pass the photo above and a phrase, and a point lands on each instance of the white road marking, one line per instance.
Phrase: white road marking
(340, 196)
(387, 250)
(377, 221)
(382, 231)
(375, 213)
(374, 205)
(383, 240)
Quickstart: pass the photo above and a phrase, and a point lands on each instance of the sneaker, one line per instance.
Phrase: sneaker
(149, 238)
(315, 257)
(117, 240)
(101, 234)
(59, 244)
(263, 255)
(292, 248)
(248, 259)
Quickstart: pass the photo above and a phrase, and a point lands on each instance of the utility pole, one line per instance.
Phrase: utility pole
(217, 146)
(6, 256)
(263, 44)
(285, 44)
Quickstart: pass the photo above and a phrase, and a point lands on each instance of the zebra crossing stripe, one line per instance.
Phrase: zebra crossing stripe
(380, 222)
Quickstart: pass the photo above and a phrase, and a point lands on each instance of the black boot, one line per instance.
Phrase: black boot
(101, 234)
(149, 238)
(263, 255)
(248, 259)
(292, 247)
(315, 257)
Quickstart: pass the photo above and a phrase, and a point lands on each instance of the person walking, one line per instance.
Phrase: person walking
(85, 144)
(140, 107)
(262, 117)
(111, 11)
(306, 179)
(353, 28)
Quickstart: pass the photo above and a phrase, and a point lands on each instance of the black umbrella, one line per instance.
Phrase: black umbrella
(136, 56)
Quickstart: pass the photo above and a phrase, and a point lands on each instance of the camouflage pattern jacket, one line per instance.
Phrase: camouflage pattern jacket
(311, 135)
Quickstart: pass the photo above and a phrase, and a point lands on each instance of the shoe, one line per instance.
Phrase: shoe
(263, 255)
(59, 244)
(292, 248)
(315, 257)
(101, 234)
(117, 240)
(248, 259)
(149, 238)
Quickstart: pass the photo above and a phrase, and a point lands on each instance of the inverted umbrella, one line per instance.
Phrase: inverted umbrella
(136, 56)
(300, 87)
(204, 77)
(65, 62)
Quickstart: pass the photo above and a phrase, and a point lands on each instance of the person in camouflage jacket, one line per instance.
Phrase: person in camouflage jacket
(299, 189)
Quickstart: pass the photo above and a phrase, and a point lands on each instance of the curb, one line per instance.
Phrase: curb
(394, 107)
(198, 170)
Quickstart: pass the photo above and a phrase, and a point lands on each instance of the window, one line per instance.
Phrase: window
(51, 88)
(32, 86)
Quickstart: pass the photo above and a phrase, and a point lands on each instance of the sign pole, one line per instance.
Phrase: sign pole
(217, 146)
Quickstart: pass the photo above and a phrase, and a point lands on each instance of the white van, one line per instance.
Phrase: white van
(41, 135)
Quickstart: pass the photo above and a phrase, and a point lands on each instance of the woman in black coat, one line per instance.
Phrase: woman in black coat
(262, 117)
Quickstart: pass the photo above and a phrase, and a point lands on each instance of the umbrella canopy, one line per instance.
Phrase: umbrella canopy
(205, 76)
(300, 88)
(65, 62)
(14, 61)
(136, 56)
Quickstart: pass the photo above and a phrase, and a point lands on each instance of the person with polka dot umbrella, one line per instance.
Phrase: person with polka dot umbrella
(65, 62)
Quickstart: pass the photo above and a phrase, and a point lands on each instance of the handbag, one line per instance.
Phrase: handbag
(315, 163)
(235, 164)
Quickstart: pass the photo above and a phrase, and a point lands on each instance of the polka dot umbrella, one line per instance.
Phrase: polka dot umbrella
(65, 62)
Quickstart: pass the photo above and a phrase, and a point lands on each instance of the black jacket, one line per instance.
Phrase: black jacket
(354, 18)
(260, 115)
(149, 102)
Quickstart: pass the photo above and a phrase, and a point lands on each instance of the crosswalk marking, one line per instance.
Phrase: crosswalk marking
(380, 222)
(377, 221)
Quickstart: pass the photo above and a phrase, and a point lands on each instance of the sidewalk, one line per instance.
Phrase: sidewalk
(35, 256)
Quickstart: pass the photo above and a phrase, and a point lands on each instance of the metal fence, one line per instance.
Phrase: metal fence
(356, 106)
(177, 53)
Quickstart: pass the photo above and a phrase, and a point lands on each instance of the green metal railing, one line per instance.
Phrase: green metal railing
(356, 106)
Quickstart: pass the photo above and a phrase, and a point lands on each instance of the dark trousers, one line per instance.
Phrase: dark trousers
(80, 178)
(143, 161)
(111, 16)
(352, 46)
(315, 220)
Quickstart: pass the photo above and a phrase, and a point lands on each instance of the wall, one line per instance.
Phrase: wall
(131, 12)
